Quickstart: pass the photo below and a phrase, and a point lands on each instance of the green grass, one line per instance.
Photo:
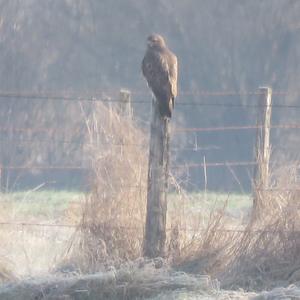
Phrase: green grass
(52, 203)
(236, 204)
(47, 203)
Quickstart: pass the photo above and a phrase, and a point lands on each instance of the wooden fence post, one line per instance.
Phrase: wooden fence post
(262, 151)
(158, 173)
(1, 180)
(125, 103)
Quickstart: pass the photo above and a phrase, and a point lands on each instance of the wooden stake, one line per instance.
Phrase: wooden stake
(1, 180)
(262, 151)
(158, 173)
(205, 178)
(125, 103)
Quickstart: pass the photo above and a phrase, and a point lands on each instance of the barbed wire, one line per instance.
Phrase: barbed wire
(274, 105)
(191, 147)
(116, 92)
(52, 97)
(223, 93)
(111, 227)
(95, 99)
(176, 130)
(48, 167)
(37, 224)
(175, 166)
(53, 141)
(179, 166)
(216, 164)
(247, 127)
(194, 148)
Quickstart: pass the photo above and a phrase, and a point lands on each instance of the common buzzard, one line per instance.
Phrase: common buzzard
(159, 67)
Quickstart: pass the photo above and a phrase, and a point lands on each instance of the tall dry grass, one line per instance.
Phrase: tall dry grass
(268, 253)
(206, 238)
(113, 214)
(263, 252)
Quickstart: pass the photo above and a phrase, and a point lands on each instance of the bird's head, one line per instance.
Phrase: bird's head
(155, 41)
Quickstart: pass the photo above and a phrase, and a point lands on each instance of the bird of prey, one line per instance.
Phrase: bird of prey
(159, 67)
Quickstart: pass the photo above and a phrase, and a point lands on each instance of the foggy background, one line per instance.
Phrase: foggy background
(94, 48)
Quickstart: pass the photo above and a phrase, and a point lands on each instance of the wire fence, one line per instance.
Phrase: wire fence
(175, 130)
(102, 98)
(53, 133)
(134, 228)
(21, 135)
(179, 166)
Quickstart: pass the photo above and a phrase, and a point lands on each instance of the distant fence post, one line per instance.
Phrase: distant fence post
(1, 180)
(263, 150)
(125, 103)
(158, 173)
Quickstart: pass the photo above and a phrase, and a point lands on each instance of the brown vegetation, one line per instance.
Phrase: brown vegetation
(255, 256)
(268, 254)
(259, 255)
(111, 228)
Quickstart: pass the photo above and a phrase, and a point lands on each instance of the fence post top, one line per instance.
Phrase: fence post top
(125, 91)
(266, 89)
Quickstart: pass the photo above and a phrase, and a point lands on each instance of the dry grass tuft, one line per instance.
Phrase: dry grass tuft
(135, 280)
(269, 251)
(6, 271)
(113, 215)
(208, 247)
(111, 228)
(261, 255)
(258, 255)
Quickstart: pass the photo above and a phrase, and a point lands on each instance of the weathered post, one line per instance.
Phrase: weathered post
(1, 180)
(125, 103)
(158, 173)
(262, 151)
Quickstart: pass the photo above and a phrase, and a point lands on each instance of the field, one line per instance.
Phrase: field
(31, 241)
(43, 224)
(57, 243)
(40, 220)
(51, 204)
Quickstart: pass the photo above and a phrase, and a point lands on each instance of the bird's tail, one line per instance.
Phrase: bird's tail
(165, 107)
